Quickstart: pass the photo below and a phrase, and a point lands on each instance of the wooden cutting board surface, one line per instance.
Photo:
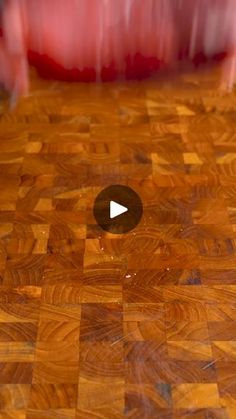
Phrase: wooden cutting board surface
(100, 326)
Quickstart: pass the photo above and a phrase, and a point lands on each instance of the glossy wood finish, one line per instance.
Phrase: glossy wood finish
(100, 326)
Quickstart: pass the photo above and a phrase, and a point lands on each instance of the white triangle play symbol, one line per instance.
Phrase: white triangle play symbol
(116, 209)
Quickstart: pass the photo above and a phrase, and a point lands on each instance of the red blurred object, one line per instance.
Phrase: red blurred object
(101, 40)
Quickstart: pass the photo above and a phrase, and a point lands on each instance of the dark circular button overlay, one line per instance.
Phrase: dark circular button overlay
(118, 209)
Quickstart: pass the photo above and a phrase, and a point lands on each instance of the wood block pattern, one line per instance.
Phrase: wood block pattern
(100, 326)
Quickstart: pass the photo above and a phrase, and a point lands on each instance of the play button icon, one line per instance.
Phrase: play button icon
(118, 209)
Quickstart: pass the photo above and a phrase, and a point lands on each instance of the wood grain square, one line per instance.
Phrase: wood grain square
(137, 312)
(193, 396)
(101, 294)
(25, 270)
(185, 311)
(226, 373)
(60, 313)
(59, 277)
(51, 351)
(168, 370)
(18, 332)
(189, 351)
(99, 331)
(17, 351)
(142, 294)
(101, 351)
(61, 294)
(14, 396)
(57, 331)
(225, 350)
(16, 372)
(104, 371)
(143, 351)
(142, 331)
(222, 330)
(19, 313)
(183, 330)
(94, 395)
(21, 414)
(217, 277)
(103, 277)
(147, 399)
(56, 372)
(101, 312)
(50, 396)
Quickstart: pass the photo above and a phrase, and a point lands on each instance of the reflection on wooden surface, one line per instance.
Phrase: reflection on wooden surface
(101, 326)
